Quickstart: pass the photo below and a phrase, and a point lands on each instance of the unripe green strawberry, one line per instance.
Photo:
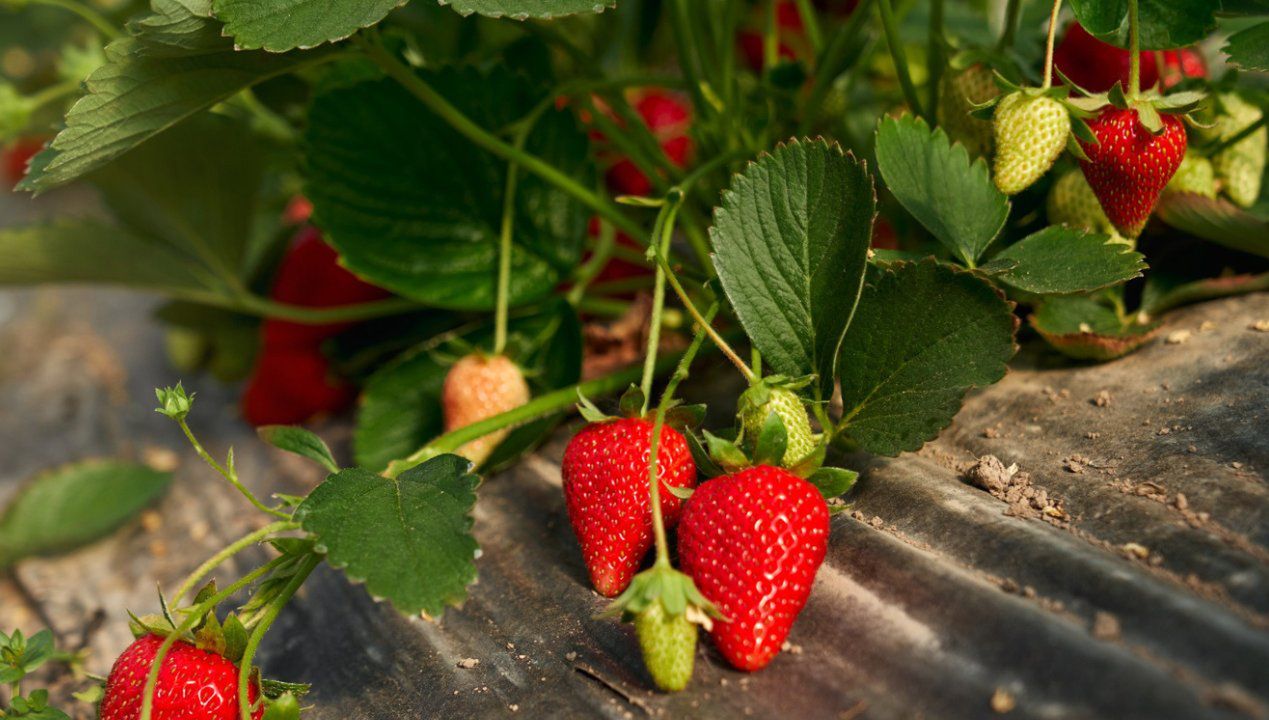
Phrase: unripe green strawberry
(668, 643)
(958, 93)
(1031, 131)
(1195, 175)
(477, 387)
(1072, 203)
(763, 399)
(1242, 165)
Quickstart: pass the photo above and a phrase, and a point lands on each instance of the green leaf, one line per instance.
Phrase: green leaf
(1060, 260)
(833, 482)
(935, 181)
(196, 188)
(1217, 220)
(281, 25)
(924, 334)
(301, 442)
(1164, 24)
(408, 538)
(74, 505)
(176, 67)
(1249, 48)
(416, 208)
(1081, 327)
(525, 9)
(401, 406)
(791, 245)
(91, 251)
(1161, 295)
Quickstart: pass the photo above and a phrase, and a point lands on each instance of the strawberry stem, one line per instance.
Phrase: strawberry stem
(662, 233)
(91, 16)
(1012, 11)
(696, 315)
(667, 397)
(893, 40)
(229, 473)
(504, 244)
(1134, 59)
(257, 634)
(1048, 48)
(232, 549)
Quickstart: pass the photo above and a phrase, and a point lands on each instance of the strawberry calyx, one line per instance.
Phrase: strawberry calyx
(683, 418)
(674, 591)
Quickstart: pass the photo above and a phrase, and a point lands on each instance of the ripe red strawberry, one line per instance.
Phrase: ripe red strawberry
(752, 541)
(477, 387)
(1096, 66)
(193, 684)
(605, 472)
(16, 156)
(1129, 166)
(292, 379)
(669, 118)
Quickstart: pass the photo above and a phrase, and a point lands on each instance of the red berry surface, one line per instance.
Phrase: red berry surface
(669, 118)
(1129, 166)
(1096, 66)
(192, 685)
(16, 156)
(605, 473)
(753, 542)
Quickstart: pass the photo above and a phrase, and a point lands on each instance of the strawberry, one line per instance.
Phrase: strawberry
(1096, 66)
(193, 684)
(1071, 202)
(771, 395)
(605, 472)
(669, 118)
(477, 387)
(1195, 175)
(753, 541)
(15, 157)
(668, 644)
(292, 384)
(1129, 166)
(1242, 165)
(1031, 129)
(958, 93)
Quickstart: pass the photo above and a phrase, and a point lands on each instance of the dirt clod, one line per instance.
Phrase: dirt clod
(1177, 337)
(1102, 399)
(468, 663)
(1105, 626)
(1014, 487)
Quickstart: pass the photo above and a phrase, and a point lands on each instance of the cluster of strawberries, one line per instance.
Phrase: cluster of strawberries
(1130, 145)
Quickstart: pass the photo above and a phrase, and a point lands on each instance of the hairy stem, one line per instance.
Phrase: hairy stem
(1048, 48)
(717, 339)
(504, 245)
(257, 633)
(232, 549)
(228, 473)
(662, 235)
(1134, 59)
(891, 27)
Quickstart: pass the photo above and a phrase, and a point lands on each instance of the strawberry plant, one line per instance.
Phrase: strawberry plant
(468, 218)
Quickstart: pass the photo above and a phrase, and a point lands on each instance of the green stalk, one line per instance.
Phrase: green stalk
(662, 235)
(1134, 59)
(1237, 137)
(465, 126)
(228, 473)
(195, 614)
(718, 340)
(829, 65)
(90, 15)
(936, 60)
(264, 307)
(770, 40)
(504, 246)
(599, 257)
(234, 548)
(689, 57)
(1048, 48)
(1012, 11)
(667, 397)
(257, 633)
(811, 21)
(891, 28)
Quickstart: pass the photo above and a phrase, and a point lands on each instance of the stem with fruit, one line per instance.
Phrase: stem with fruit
(663, 232)
(1048, 48)
(1134, 58)
(229, 551)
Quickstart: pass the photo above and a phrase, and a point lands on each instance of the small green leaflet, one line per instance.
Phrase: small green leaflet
(791, 245)
(281, 25)
(935, 181)
(301, 442)
(1164, 24)
(74, 505)
(923, 335)
(525, 9)
(416, 208)
(1059, 260)
(409, 538)
(177, 66)
(1249, 49)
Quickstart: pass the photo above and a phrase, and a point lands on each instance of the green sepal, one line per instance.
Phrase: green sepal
(674, 590)
(807, 466)
(91, 694)
(284, 707)
(290, 501)
(1181, 102)
(1115, 96)
(235, 638)
(682, 493)
(632, 402)
(174, 402)
(705, 465)
(772, 441)
(1071, 83)
(277, 688)
(1083, 132)
(725, 453)
(1074, 148)
(589, 411)
(209, 636)
(1005, 84)
(833, 482)
(1149, 118)
(149, 625)
(685, 417)
(292, 545)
